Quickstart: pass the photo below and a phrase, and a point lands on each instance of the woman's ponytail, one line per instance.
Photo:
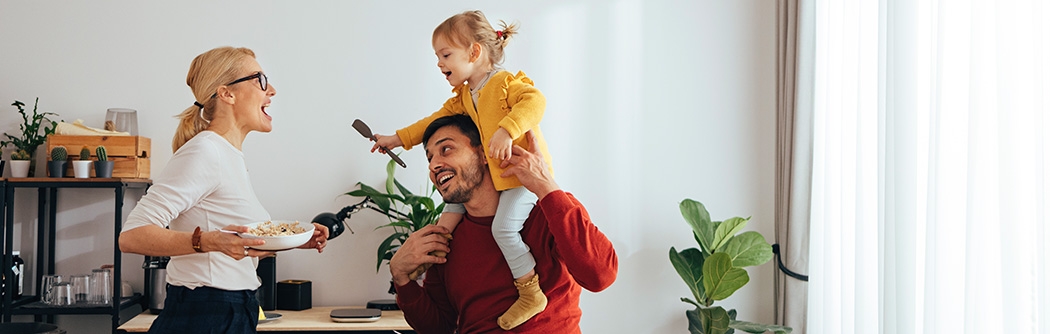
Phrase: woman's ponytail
(190, 124)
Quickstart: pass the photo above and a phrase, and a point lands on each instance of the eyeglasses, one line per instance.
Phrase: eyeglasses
(262, 81)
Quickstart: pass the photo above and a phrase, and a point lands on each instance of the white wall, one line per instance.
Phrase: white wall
(649, 102)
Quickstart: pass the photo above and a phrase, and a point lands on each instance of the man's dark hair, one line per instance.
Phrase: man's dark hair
(463, 122)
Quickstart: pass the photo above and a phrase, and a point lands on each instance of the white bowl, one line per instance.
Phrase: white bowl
(282, 242)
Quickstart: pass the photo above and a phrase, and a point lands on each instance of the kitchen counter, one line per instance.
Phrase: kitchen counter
(314, 319)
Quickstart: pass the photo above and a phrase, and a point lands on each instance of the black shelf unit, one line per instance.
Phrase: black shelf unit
(47, 192)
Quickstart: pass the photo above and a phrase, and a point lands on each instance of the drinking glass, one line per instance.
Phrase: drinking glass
(101, 287)
(61, 294)
(47, 284)
(123, 120)
(81, 288)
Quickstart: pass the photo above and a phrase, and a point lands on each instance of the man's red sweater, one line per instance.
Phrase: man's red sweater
(474, 287)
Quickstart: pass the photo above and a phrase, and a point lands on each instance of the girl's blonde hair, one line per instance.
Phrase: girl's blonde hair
(208, 71)
(466, 28)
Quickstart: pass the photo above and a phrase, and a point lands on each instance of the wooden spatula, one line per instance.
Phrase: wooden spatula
(365, 131)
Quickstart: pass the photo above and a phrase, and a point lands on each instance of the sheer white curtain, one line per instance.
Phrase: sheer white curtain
(931, 167)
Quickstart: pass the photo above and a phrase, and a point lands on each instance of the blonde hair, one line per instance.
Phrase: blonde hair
(208, 71)
(466, 28)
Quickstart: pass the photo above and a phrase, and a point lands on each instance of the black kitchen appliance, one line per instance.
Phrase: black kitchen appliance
(156, 281)
(267, 292)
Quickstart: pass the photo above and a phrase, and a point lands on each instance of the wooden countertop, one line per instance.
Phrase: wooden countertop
(312, 319)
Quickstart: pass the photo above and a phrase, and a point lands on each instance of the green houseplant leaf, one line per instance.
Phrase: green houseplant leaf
(694, 321)
(382, 200)
(726, 230)
(714, 320)
(690, 265)
(720, 278)
(703, 229)
(749, 249)
(390, 181)
(385, 248)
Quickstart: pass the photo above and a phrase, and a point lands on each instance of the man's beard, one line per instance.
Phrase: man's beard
(470, 179)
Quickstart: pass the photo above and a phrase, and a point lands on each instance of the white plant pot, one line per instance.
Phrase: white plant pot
(19, 168)
(82, 169)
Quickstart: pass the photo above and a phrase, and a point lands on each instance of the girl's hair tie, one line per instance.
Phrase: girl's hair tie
(198, 104)
(499, 34)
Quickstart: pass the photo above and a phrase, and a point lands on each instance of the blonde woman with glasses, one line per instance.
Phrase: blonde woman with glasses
(203, 190)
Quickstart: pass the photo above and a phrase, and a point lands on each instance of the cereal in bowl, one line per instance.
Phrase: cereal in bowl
(268, 229)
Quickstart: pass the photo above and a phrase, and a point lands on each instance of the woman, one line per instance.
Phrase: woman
(203, 194)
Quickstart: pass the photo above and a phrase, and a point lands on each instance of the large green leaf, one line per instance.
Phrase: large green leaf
(426, 202)
(696, 215)
(384, 203)
(387, 247)
(714, 320)
(749, 249)
(400, 223)
(725, 232)
(694, 321)
(366, 191)
(390, 177)
(758, 328)
(690, 265)
(720, 278)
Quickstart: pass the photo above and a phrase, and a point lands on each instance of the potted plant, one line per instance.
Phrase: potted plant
(30, 137)
(57, 166)
(104, 166)
(406, 211)
(20, 163)
(715, 271)
(82, 167)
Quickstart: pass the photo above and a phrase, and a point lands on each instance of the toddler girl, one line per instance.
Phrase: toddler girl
(504, 106)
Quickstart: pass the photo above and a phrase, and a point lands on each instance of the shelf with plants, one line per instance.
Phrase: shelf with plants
(47, 204)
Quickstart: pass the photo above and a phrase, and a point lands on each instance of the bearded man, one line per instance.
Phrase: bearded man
(466, 291)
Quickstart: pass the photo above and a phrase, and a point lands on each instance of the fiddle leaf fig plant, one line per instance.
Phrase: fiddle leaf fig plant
(715, 270)
(406, 211)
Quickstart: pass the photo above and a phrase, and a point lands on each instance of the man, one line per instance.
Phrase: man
(472, 286)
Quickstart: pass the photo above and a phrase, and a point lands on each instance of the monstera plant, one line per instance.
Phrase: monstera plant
(715, 270)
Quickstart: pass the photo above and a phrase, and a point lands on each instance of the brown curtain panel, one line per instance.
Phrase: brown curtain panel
(794, 159)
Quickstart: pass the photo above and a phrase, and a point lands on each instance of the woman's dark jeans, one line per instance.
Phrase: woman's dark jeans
(207, 310)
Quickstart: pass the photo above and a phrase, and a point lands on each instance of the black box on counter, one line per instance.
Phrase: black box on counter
(294, 295)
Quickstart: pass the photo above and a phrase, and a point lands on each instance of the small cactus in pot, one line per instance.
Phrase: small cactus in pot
(21, 155)
(57, 166)
(58, 153)
(82, 167)
(100, 152)
(104, 166)
(20, 163)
